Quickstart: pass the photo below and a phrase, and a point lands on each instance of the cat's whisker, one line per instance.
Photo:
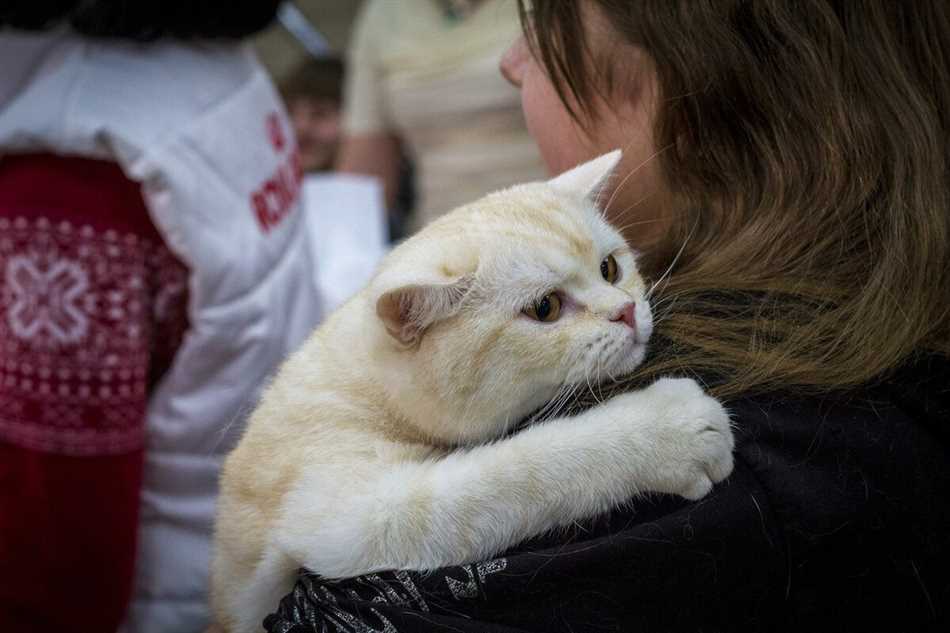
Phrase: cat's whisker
(556, 410)
(554, 404)
(628, 225)
(669, 268)
(600, 366)
(508, 426)
(568, 394)
(612, 376)
(623, 212)
(589, 387)
(660, 308)
(633, 172)
(667, 310)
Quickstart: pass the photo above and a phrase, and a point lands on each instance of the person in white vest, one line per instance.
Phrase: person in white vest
(147, 169)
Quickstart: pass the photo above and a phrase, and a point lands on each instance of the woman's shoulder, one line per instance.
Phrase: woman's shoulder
(903, 416)
(856, 484)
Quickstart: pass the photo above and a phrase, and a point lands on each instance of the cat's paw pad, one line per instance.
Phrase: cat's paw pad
(693, 436)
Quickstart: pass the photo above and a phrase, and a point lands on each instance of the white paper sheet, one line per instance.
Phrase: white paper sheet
(347, 224)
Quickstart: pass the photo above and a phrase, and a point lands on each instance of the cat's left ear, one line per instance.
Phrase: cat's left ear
(408, 311)
(588, 178)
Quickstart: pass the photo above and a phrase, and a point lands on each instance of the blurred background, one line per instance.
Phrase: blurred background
(281, 52)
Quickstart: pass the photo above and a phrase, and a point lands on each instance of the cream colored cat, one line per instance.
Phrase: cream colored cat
(383, 442)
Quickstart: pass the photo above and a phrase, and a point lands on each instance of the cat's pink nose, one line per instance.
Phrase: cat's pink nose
(626, 314)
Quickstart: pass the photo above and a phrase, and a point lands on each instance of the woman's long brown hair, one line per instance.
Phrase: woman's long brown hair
(809, 163)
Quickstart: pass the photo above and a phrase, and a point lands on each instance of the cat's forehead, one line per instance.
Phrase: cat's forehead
(538, 216)
(542, 237)
(528, 233)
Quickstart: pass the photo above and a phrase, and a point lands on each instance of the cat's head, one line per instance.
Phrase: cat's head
(502, 305)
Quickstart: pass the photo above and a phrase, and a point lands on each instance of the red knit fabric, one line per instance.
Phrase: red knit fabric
(91, 311)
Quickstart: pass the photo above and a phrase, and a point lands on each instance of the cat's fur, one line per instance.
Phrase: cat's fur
(382, 442)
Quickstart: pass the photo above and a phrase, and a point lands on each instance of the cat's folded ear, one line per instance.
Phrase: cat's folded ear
(407, 311)
(587, 179)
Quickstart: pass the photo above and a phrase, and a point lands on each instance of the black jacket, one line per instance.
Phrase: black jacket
(837, 517)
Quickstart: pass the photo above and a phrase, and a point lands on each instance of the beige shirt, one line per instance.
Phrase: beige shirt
(435, 83)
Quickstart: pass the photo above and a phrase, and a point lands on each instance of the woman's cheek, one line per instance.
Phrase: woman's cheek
(554, 131)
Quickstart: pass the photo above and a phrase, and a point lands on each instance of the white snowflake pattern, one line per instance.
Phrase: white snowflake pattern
(79, 334)
(46, 299)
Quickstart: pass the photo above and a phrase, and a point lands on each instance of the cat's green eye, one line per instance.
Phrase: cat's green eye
(547, 308)
(608, 269)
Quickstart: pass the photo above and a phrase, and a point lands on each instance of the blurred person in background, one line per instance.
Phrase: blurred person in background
(346, 217)
(423, 76)
(313, 94)
(153, 270)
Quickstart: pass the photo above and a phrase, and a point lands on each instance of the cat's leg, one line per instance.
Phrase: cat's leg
(473, 504)
(273, 578)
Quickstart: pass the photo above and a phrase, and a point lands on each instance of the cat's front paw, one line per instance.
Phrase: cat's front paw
(690, 441)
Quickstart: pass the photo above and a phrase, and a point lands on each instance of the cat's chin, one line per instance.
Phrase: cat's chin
(630, 357)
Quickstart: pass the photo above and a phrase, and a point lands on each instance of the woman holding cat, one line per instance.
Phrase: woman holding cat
(786, 175)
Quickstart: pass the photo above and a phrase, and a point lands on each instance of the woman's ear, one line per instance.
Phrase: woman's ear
(588, 178)
(409, 310)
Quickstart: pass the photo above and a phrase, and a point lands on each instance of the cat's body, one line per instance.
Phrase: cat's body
(379, 444)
